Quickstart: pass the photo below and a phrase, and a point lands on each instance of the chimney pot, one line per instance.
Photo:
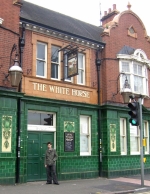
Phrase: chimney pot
(105, 13)
(114, 6)
(109, 10)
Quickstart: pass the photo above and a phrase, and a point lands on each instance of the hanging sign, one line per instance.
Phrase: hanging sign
(72, 63)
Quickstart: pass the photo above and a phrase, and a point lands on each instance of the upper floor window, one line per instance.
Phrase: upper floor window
(41, 60)
(55, 62)
(136, 71)
(81, 69)
(54, 68)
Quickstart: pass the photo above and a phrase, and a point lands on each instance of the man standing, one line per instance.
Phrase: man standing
(50, 160)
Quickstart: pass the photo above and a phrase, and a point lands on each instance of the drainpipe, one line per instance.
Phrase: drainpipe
(21, 47)
(98, 63)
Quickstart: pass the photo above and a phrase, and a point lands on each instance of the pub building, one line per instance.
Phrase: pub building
(73, 79)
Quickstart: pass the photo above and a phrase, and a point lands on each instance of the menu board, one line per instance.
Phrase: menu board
(69, 138)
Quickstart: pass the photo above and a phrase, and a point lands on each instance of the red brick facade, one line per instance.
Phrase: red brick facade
(116, 36)
(9, 34)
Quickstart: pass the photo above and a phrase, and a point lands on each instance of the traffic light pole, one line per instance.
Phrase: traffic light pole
(141, 140)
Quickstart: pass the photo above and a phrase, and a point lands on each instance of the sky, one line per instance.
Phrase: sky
(89, 10)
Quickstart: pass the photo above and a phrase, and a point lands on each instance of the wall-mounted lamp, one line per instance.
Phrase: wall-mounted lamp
(15, 73)
(126, 91)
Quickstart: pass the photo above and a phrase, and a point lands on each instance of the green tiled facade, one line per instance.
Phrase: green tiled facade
(114, 164)
(8, 107)
(70, 165)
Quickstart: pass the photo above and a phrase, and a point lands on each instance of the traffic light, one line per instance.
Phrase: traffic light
(134, 113)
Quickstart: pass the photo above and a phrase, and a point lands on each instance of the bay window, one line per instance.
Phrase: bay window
(135, 68)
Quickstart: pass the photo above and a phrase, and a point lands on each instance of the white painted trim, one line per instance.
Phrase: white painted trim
(45, 61)
(41, 128)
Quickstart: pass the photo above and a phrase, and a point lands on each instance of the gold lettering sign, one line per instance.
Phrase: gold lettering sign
(60, 90)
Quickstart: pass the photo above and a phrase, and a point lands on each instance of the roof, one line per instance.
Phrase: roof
(126, 50)
(49, 19)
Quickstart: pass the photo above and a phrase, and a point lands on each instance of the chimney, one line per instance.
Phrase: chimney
(110, 15)
(114, 6)
(105, 13)
(109, 10)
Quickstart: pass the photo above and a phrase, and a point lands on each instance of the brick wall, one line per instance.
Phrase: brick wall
(9, 31)
(115, 40)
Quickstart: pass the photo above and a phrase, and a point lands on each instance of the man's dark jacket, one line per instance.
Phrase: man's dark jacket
(50, 157)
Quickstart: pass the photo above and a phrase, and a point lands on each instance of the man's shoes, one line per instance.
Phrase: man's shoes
(48, 183)
(56, 183)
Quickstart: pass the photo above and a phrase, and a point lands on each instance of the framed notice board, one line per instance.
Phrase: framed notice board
(69, 141)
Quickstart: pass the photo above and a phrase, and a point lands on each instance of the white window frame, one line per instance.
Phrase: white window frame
(82, 69)
(146, 136)
(59, 54)
(45, 61)
(43, 127)
(135, 133)
(85, 129)
(141, 61)
(123, 136)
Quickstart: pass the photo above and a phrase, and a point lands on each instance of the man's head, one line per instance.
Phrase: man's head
(49, 145)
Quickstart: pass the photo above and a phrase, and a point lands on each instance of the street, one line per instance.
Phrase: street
(84, 186)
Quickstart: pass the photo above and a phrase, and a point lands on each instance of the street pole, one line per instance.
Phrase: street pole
(141, 141)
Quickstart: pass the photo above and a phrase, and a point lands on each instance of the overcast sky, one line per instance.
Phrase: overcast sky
(89, 10)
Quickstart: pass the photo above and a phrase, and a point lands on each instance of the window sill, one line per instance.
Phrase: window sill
(85, 154)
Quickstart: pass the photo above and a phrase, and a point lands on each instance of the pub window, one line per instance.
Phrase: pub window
(85, 135)
(123, 136)
(55, 62)
(146, 136)
(134, 140)
(41, 60)
(38, 118)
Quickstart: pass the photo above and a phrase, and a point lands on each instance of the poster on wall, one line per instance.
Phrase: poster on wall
(69, 141)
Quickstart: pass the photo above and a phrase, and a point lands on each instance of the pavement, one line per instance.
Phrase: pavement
(100, 185)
